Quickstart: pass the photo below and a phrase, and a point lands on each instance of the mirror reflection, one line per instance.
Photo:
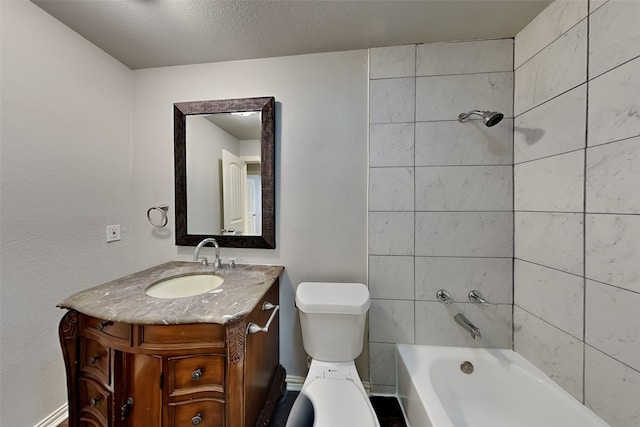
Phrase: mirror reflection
(224, 152)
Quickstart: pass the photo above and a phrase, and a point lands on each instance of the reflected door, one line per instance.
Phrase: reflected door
(234, 190)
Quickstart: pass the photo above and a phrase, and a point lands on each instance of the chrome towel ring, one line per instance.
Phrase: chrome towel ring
(162, 221)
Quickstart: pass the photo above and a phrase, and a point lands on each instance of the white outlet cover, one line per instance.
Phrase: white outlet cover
(113, 233)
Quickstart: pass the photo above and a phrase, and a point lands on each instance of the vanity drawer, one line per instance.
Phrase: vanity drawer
(202, 413)
(94, 403)
(202, 373)
(191, 336)
(106, 329)
(95, 360)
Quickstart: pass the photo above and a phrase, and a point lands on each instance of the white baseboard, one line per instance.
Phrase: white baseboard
(56, 417)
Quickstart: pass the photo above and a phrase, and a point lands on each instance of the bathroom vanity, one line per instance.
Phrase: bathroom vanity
(136, 360)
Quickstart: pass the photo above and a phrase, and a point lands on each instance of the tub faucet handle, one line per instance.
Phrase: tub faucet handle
(444, 297)
(477, 298)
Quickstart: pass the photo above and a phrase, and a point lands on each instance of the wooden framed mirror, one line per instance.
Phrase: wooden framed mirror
(233, 198)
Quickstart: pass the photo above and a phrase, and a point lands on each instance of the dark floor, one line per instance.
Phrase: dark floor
(387, 409)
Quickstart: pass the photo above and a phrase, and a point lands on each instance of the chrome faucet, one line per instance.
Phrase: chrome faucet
(477, 298)
(196, 253)
(468, 326)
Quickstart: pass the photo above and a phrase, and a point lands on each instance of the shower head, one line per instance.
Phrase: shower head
(490, 118)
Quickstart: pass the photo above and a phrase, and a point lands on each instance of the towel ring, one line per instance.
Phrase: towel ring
(163, 211)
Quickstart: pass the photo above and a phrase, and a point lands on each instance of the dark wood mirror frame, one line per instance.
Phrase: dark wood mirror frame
(266, 106)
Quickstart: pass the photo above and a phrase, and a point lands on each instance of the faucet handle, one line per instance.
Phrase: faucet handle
(203, 260)
(444, 297)
(477, 298)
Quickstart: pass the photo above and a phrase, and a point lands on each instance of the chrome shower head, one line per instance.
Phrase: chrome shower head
(490, 118)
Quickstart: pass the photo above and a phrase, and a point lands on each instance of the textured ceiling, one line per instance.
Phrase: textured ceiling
(155, 33)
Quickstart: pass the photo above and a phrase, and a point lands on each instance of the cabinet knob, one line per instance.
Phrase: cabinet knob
(196, 420)
(95, 401)
(95, 358)
(104, 324)
(196, 375)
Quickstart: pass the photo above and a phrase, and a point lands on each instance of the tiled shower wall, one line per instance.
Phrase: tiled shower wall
(440, 197)
(577, 202)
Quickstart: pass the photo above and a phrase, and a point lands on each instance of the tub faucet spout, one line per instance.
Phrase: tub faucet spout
(468, 326)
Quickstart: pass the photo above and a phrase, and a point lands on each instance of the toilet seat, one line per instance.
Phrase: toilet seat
(340, 402)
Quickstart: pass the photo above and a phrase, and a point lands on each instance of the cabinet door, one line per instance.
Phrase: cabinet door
(140, 403)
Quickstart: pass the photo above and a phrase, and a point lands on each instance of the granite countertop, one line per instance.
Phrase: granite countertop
(124, 299)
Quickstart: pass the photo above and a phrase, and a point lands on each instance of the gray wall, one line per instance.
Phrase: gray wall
(577, 202)
(440, 197)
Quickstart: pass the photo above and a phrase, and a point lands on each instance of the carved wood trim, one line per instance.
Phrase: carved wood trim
(69, 325)
(236, 340)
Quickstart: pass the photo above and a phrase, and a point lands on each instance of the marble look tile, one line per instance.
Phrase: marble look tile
(557, 354)
(391, 277)
(490, 276)
(559, 67)
(464, 188)
(391, 321)
(553, 184)
(391, 189)
(613, 250)
(611, 389)
(391, 233)
(394, 61)
(614, 105)
(596, 4)
(452, 143)
(445, 97)
(482, 56)
(555, 20)
(551, 239)
(611, 323)
(613, 176)
(552, 295)
(391, 144)
(435, 324)
(392, 100)
(382, 362)
(474, 234)
(555, 127)
(614, 36)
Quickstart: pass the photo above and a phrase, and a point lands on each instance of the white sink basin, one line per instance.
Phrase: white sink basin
(184, 286)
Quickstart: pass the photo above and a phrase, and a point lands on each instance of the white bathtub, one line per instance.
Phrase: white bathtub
(504, 390)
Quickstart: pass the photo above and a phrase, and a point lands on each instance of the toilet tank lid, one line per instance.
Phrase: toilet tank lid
(329, 297)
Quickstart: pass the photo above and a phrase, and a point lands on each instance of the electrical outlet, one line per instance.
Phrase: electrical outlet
(113, 233)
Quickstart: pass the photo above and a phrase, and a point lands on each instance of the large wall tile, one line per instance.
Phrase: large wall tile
(611, 389)
(491, 276)
(392, 100)
(552, 295)
(613, 177)
(445, 97)
(391, 277)
(391, 233)
(435, 324)
(391, 189)
(551, 184)
(612, 322)
(556, 353)
(437, 59)
(614, 104)
(555, 127)
(391, 321)
(553, 21)
(474, 234)
(382, 358)
(613, 250)
(552, 239)
(394, 61)
(559, 67)
(464, 188)
(452, 143)
(614, 36)
(391, 144)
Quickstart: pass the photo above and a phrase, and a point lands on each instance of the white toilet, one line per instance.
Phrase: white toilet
(332, 316)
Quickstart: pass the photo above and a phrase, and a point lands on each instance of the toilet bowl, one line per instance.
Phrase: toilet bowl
(332, 317)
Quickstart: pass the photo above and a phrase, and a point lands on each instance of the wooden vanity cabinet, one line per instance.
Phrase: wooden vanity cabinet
(209, 375)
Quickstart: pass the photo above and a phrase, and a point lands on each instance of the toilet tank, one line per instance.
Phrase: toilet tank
(332, 317)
